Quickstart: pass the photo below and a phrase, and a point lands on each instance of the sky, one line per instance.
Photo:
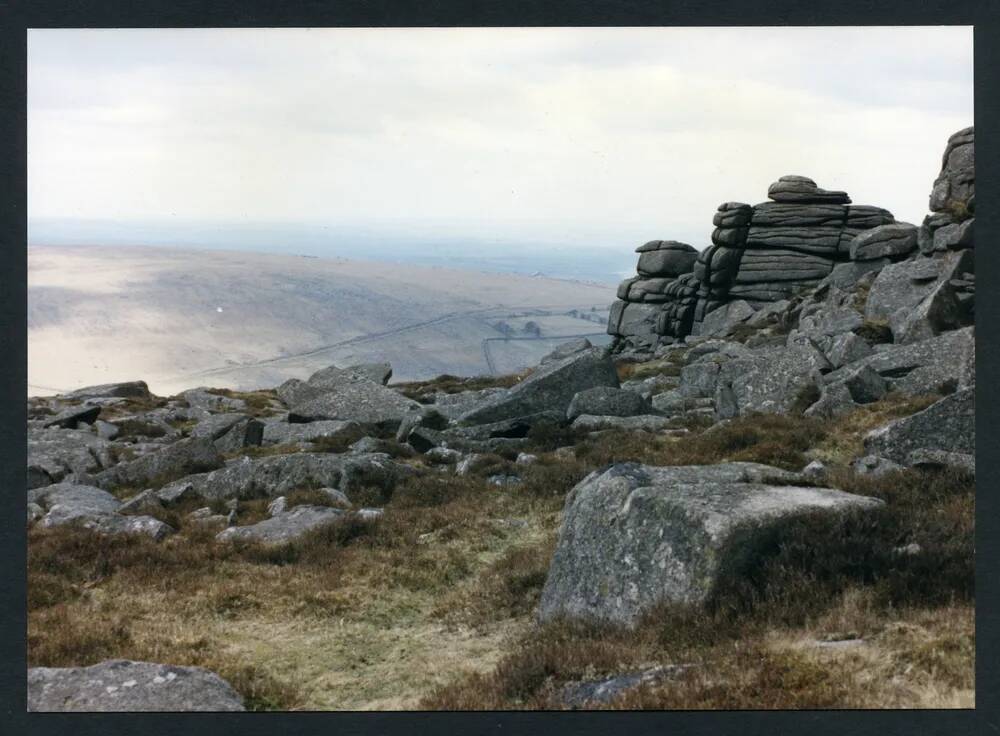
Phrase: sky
(590, 138)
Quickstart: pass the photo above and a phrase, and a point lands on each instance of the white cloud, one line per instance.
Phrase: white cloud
(601, 135)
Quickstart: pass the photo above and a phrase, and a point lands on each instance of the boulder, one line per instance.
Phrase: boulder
(54, 454)
(772, 381)
(875, 466)
(125, 389)
(92, 508)
(283, 433)
(638, 423)
(206, 399)
(847, 275)
(230, 432)
(955, 187)
(835, 400)
(550, 388)
(865, 384)
(191, 455)
(665, 258)
(608, 689)
(123, 685)
(927, 366)
(948, 425)
(939, 311)
(142, 503)
(803, 190)
(900, 287)
(362, 401)
(607, 401)
(269, 477)
(847, 348)
(332, 376)
(283, 526)
(634, 536)
(567, 349)
(720, 322)
(897, 240)
(74, 416)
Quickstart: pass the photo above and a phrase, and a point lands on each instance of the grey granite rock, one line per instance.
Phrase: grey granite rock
(122, 685)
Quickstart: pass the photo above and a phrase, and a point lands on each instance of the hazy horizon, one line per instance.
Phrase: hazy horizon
(489, 146)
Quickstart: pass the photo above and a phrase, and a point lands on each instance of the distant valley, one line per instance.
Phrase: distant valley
(183, 318)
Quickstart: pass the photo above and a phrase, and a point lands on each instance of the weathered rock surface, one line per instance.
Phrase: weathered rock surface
(283, 433)
(636, 536)
(607, 401)
(73, 417)
(948, 425)
(269, 477)
(283, 526)
(885, 241)
(122, 685)
(609, 689)
(362, 401)
(192, 455)
(567, 349)
(54, 454)
(550, 388)
(641, 423)
(125, 389)
(91, 508)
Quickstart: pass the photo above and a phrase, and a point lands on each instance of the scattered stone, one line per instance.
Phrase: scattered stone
(206, 400)
(106, 430)
(362, 401)
(929, 458)
(504, 480)
(277, 506)
(443, 455)
(146, 502)
(123, 685)
(641, 423)
(606, 690)
(865, 384)
(283, 527)
(815, 470)
(524, 458)
(875, 466)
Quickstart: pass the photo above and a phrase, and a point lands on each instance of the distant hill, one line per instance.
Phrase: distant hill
(182, 318)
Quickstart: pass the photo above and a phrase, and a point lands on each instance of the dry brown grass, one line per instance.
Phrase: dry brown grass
(448, 384)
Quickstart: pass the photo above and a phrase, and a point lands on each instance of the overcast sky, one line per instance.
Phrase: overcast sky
(596, 136)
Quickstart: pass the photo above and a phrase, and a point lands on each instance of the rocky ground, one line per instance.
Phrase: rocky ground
(582, 535)
(773, 510)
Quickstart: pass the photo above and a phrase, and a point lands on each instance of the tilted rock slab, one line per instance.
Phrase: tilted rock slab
(635, 536)
(191, 455)
(949, 425)
(550, 388)
(122, 685)
(283, 526)
(268, 477)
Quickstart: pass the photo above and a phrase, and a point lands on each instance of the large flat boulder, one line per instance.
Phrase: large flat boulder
(269, 477)
(191, 455)
(636, 536)
(123, 389)
(607, 401)
(550, 388)
(283, 527)
(283, 433)
(123, 685)
(948, 425)
(362, 401)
